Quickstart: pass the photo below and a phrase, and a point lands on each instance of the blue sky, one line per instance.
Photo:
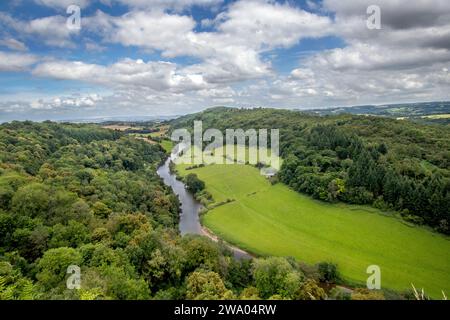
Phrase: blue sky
(155, 57)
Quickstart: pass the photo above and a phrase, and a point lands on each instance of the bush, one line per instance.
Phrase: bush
(309, 290)
(339, 293)
(328, 272)
(358, 195)
(413, 219)
(206, 285)
(276, 276)
(366, 294)
(193, 183)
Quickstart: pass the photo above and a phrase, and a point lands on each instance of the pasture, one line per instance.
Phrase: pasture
(274, 220)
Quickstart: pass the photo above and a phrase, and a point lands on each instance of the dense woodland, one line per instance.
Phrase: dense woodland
(86, 196)
(398, 166)
(82, 195)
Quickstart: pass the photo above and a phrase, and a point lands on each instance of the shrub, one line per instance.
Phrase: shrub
(328, 272)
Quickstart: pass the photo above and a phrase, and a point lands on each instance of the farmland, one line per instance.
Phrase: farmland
(273, 220)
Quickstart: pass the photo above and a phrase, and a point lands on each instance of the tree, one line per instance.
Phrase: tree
(239, 273)
(13, 286)
(31, 200)
(101, 234)
(206, 285)
(17, 289)
(9, 183)
(52, 267)
(8, 223)
(73, 235)
(101, 210)
(276, 276)
(193, 183)
(328, 272)
(60, 206)
(309, 290)
(250, 293)
(201, 252)
(335, 189)
(6, 194)
(123, 284)
(366, 294)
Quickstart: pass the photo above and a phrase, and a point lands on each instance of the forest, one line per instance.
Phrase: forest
(82, 195)
(90, 197)
(397, 166)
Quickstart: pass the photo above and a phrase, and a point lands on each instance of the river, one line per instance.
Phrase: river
(190, 209)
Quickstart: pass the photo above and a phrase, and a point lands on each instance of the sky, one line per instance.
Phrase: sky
(172, 57)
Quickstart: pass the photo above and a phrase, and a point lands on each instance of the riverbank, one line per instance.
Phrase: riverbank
(190, 210)
(273, 220)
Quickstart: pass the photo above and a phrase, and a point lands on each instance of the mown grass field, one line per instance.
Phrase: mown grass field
(167, 145)
(274, 220)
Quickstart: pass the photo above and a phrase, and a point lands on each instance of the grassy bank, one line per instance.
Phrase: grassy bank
(274, 220)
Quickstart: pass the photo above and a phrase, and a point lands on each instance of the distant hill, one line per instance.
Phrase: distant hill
(426, 112)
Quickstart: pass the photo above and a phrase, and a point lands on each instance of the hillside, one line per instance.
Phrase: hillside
(82, 199)
(268, 219)
(393, 165)
(424, 112)
(336, 160)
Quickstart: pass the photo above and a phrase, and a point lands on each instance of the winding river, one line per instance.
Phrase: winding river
(190, 209)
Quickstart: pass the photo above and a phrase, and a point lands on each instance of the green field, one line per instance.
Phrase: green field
(274, 220)
(167, 145)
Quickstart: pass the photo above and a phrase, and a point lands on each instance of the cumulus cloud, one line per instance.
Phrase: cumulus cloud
(361, 56)
(51, 30)
(54, 107)
(125, 74)
(403, 60)
(63, 4)
(152, 30)
(13, 44)
(266, 25)
(396, 14)
(258, 25)
(16, 61)
(408, 59)
(231, 52)
(167, 4)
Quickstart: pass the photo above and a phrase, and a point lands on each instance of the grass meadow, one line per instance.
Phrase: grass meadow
(274, 220)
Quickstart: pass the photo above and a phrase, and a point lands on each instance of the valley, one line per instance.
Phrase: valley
(273, 220)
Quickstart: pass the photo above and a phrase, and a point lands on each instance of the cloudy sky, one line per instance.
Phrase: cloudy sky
(167, 57)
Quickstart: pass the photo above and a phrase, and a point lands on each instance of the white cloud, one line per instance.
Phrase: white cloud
(395, 14)
(168, 4)
(16, 61)
(361, 56)
(229, 53)
(93, 46)
(153, 30)
(63, 4)
(13, 44)
(265, 25)
(407, 59)
(402, 61)
(125, 74)
(51, 30)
